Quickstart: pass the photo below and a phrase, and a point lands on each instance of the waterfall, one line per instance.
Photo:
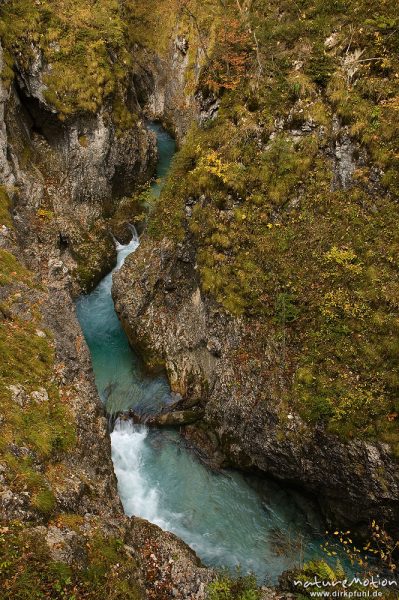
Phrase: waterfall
(124, 250)
(135, 235)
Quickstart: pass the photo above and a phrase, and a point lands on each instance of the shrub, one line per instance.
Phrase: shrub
(238, 588)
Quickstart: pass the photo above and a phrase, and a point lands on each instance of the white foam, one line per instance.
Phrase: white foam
(124, 251)
(142, 498)
(137, 495)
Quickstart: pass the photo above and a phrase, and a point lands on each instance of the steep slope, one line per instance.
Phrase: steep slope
(65, 169)
(267, 284)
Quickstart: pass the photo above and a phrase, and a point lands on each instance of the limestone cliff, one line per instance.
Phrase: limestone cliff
(62, 520)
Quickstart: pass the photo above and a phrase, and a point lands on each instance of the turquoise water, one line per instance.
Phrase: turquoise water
(166, 149)
(228, 519)
(119, 378)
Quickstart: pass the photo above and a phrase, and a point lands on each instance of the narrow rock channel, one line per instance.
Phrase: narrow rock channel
(228, 519)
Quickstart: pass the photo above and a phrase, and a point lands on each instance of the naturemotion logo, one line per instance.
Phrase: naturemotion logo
(357, 587)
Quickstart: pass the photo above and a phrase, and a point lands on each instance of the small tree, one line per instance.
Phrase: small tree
(230, 57)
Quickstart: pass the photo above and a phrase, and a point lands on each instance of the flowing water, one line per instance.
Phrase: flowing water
(228, 519)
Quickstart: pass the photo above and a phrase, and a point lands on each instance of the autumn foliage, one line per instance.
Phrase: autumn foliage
(230, 58)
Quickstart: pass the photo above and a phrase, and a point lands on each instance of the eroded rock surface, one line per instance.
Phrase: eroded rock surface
(246, 425)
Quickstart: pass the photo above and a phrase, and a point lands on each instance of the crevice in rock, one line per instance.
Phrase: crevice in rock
(39, 119)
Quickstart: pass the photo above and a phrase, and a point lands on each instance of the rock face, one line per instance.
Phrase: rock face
(206, 354)
(160, 87)
(6, 175)
(171, 418)
(167, 87)
(64, 175)
(82, 168)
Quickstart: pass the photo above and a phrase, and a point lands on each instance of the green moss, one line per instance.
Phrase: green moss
(5, 217)
(70, 521)
(286, 310)
(28, 571)
(7, 73)
(83, 141)
(111, 571)
(11, 270)
(27, 357)
(84, 42)
(45, 214)
(44, 501)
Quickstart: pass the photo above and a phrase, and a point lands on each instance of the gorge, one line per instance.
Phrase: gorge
(220, 516)
(257, 311)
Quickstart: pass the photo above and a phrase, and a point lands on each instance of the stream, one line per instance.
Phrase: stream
(229, 519)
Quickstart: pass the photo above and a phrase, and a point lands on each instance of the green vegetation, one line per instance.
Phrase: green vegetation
(322, 571)
(152, 24)
(84, 43)
(5, 218)
(34, 417)
(28, 571)
(111, 571)
(380, 545)
(239, 588)
(311, 264)
(12, 271)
